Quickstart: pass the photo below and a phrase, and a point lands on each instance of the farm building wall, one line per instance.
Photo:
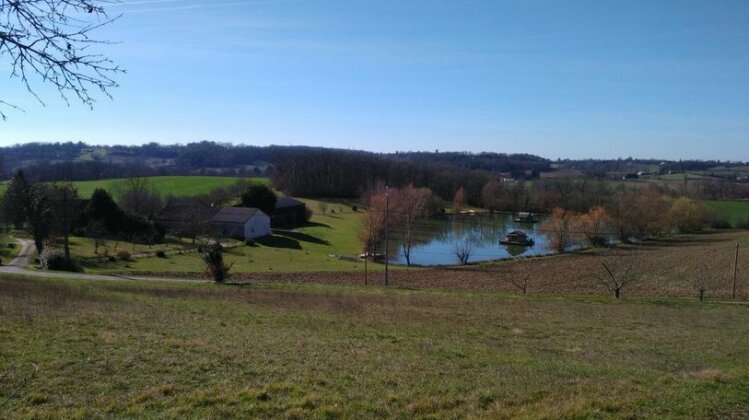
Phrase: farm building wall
(258, 226)
(233, 230)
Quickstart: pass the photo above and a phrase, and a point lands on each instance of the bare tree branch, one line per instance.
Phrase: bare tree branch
(50, 40)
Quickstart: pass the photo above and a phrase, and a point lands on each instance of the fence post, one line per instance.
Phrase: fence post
(735, 269)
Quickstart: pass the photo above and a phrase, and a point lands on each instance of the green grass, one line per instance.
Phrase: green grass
(130, 349)
(8, 252)
(735, 211)
(164, 185)
(84, 247)
(309, 248)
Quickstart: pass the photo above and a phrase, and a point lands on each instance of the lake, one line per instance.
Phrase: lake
(435, 240)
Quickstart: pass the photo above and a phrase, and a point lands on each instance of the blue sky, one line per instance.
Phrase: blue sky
(663, 79)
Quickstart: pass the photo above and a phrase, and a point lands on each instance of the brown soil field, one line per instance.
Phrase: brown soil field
(662, 268)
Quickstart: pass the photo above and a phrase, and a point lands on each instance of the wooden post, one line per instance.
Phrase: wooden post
(366, 257)
(735, 269)
(387, 215)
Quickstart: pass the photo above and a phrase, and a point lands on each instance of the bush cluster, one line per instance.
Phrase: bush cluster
(54, 259)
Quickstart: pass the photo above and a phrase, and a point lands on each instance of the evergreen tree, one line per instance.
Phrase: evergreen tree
(261, 197)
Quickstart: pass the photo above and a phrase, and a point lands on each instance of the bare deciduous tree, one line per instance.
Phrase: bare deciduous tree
(463, 250)
(521, 282)
(139, 198)
(558, 228)
(594, 225)
(619, 271)
(373, 226)
(413, 204)
(51, 40)
(704, 280)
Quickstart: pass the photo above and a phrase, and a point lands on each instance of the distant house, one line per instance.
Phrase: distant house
(241, 222)
(289, 212)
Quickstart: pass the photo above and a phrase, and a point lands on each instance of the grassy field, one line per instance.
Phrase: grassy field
(165, 185)
(735, 211)
(310, 248)
(8, 248)
(84, 247)
(129, 349)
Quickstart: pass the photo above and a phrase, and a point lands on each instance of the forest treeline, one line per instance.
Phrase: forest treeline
(337, 173)
(225, 157)
(80, 159)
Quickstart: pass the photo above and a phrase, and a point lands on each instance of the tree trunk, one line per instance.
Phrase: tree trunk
(66, 246)
(616, 292)
(38, 241)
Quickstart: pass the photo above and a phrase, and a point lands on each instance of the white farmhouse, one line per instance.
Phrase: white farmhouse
(241, 222)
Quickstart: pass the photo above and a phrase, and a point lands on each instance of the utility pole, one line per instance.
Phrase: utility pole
(735, 269)
(387, 227)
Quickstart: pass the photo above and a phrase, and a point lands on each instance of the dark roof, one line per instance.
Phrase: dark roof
(234, 215)
(516, 233)
(285, 202)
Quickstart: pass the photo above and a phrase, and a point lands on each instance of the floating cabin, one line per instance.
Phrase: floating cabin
(517, 237)
(526, 217)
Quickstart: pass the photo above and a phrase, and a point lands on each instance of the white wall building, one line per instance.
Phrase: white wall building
(241, 222)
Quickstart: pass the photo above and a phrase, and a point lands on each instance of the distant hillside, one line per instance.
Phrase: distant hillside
(80, 161)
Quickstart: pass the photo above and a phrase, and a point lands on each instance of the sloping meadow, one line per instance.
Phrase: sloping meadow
(280, 350)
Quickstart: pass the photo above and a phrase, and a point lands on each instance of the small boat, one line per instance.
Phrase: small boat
(526, 217)
(372, 256)
(517, 237)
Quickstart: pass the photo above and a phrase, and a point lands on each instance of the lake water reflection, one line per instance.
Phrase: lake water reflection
(435, 240)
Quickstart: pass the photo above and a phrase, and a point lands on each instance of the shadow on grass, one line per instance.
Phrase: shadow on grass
(687, 240)
(277, 241)
(300, 237)
(313, 224)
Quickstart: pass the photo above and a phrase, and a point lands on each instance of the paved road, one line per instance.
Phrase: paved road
(18, 266)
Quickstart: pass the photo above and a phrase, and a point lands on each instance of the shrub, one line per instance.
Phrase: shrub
(215, 266)
(54, 259)
(743, 224)
(111, 259)
(161, 254)
(717, 220)
(688, 215)
(354, 208)
(124, 256)
(11, 245)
